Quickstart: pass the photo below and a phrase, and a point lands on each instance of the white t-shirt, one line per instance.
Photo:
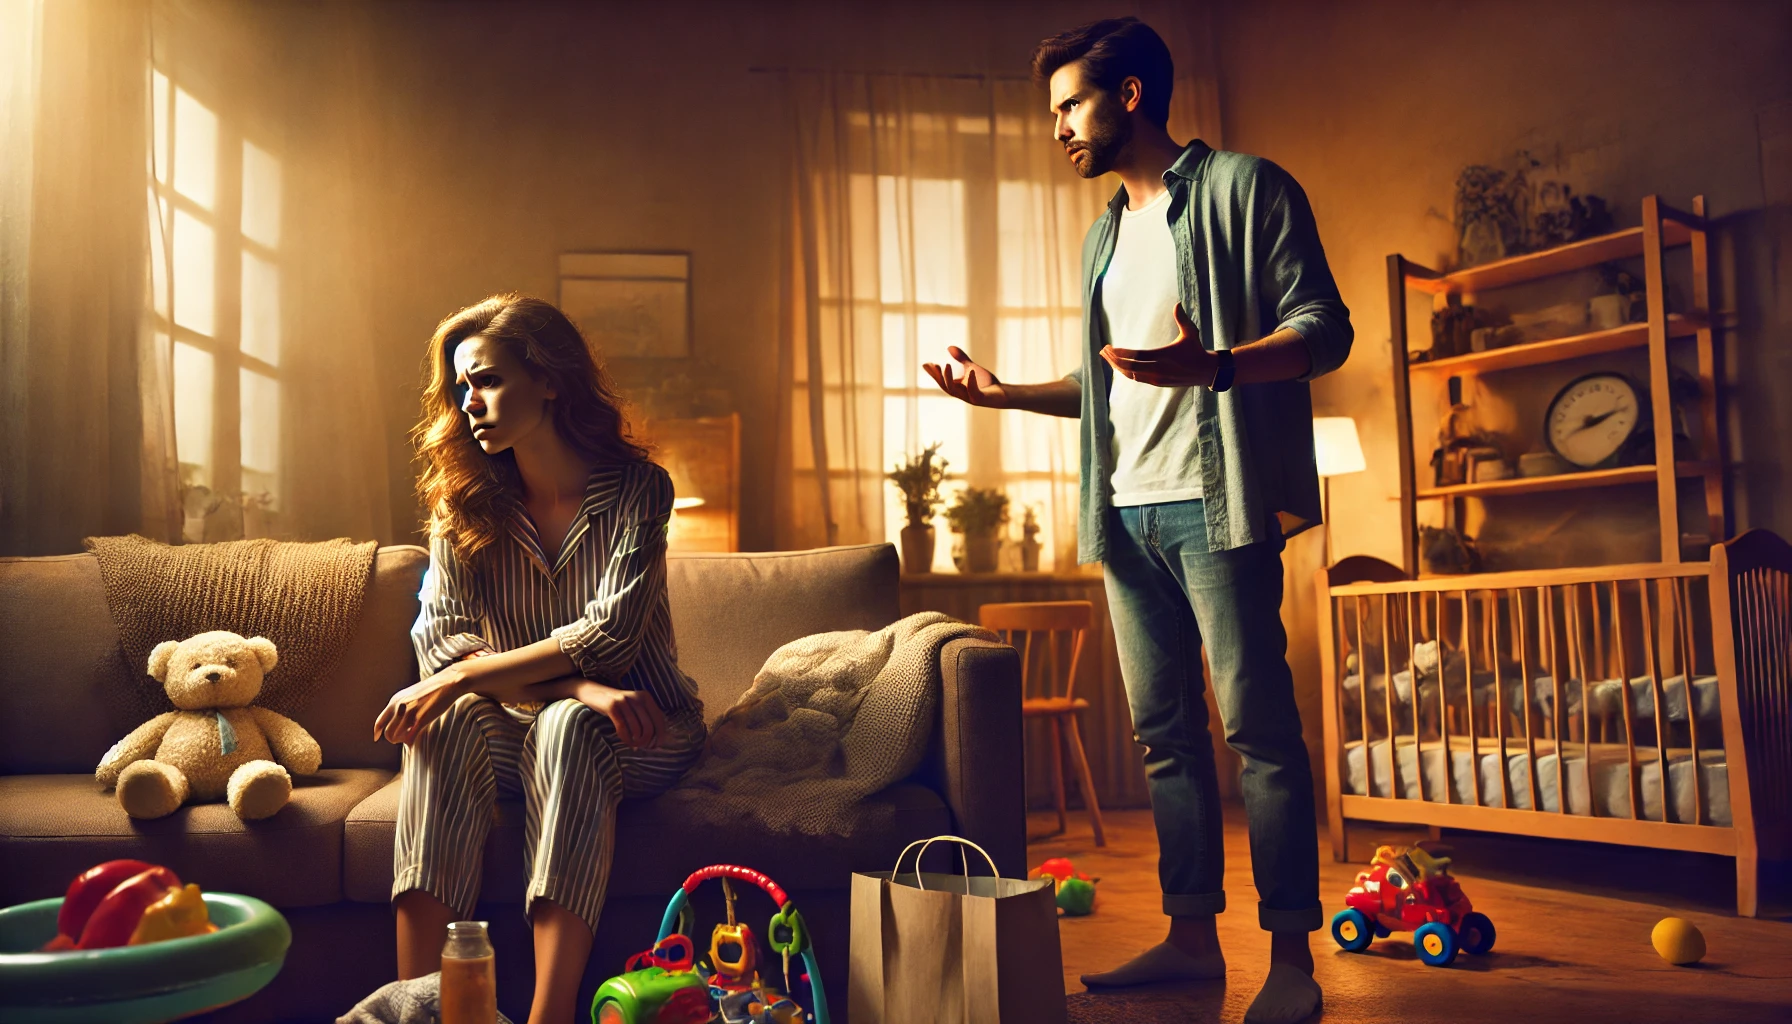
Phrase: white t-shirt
(1155, 456)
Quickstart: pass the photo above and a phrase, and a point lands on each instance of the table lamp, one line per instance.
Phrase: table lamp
(1337, 452)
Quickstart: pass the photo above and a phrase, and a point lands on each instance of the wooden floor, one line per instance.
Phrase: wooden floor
(1573, 923)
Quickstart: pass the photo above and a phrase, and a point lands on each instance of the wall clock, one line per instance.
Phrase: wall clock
(1591, 421)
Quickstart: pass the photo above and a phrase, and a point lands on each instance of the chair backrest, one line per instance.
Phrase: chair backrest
(1047, 626)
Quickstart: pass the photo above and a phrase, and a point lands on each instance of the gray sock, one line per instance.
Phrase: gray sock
(1289, 995)
(1162, 962)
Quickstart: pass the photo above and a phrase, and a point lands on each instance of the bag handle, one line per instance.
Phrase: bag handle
(925, 843)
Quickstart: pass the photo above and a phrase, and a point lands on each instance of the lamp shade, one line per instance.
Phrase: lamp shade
(1335, 446)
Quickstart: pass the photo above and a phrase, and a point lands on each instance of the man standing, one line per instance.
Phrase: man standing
(1208, 305)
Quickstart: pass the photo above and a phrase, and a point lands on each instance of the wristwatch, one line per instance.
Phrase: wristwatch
(1222, 377)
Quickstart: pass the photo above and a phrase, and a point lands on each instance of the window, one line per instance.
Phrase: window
(215, 199)
(971, 242)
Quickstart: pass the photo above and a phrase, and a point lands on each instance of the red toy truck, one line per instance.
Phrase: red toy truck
(1408, 888)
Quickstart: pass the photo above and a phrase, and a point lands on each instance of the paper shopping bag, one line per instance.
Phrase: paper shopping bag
(953, 949)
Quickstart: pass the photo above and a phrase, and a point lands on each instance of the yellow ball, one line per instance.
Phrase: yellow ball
(1678, 941)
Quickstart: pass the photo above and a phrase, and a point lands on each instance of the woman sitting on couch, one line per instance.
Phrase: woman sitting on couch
(545, 639)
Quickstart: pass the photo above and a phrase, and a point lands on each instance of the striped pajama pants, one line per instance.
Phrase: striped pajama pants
(570, 769)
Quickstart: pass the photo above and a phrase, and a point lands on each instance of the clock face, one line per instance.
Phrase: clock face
(1590, 418)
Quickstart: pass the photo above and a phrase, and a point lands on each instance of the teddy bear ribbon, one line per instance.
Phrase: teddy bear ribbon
(226, 735)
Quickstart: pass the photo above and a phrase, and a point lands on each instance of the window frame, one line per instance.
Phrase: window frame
(230, 244)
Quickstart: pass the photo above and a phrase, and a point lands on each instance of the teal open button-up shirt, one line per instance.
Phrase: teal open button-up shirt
(1248, 264)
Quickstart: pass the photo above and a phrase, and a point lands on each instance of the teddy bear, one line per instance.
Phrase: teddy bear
(218, 745)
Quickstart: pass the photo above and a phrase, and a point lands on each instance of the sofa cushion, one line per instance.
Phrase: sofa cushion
(52, 827)
(731, 611)
(378, 662)
(656, 848)
(63, 679)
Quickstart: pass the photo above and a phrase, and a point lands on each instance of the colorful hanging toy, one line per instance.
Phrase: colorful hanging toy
(1407, 887)
(1076, 891)
(669, 985)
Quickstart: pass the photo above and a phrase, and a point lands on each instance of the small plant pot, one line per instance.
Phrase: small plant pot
(917, 548)
(981, 552)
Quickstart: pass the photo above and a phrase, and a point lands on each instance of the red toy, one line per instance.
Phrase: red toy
(1406, 887)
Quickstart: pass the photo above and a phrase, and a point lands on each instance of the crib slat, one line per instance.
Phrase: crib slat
(1499, 698)
(1443, 703)
(1387, 694)
(1362, 701)
(1468, 684)
(1412, 667)
(1689, 669)
(1558, 716)
(1624, 700)
(1524, 696)
(1654, 666)
(1586, 689)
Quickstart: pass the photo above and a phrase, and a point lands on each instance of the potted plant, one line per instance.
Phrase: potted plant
(918, 477)
(979, 514)
(1029, 545)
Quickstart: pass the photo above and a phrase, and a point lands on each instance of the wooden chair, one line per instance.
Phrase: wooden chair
(1018, 624)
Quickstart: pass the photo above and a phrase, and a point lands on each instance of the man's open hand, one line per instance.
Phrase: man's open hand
(1182, 363)
(977, 386)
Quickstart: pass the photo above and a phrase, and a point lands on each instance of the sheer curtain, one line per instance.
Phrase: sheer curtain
(925, 212)
(86, 419)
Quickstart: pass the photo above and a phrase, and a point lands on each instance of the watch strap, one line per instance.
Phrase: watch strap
(1222, 377)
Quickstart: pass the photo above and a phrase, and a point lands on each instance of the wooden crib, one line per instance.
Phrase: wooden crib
(1620, 704)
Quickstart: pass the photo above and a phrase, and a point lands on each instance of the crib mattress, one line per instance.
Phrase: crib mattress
(1597, 785)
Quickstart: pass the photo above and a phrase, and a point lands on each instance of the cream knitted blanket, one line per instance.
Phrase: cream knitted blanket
(304, 597)
(829, 720)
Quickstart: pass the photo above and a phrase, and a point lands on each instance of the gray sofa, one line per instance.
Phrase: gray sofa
(326, 859)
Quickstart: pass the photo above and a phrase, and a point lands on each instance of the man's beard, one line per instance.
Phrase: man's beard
(1103, 147)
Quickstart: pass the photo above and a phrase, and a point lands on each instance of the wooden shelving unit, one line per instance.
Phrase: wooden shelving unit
(1663, 227)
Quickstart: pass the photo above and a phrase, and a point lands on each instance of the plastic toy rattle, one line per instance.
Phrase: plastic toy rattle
(1406, 887)
(665, 984)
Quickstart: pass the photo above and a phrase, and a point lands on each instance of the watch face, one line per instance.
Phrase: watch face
(1590, 418)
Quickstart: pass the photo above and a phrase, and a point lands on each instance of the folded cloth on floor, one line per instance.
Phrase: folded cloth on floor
(830, 720)
(417, 1001)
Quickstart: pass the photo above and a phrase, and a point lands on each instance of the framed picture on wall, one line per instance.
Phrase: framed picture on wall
(631, 305)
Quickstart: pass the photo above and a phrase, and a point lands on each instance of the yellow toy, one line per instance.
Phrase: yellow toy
(1678, 941)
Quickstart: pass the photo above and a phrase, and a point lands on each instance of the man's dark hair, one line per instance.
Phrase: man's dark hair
(1112, 51)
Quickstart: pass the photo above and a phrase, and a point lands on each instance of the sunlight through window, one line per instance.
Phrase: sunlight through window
(193, 373)
(195, 273)
(261, 432)
(261, 309)
(261, 196)
(195, 150)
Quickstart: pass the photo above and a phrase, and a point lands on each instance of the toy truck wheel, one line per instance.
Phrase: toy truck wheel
(611, 1012)
(1436, 943)
(1352, 931)
(1476, 933)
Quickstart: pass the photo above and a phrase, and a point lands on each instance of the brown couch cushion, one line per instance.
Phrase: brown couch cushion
(731, 611)
(55, 826)
(62, 675)
(62, 667)
(655, 849)
(379, 662)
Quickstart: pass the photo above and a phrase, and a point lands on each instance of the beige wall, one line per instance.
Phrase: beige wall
(482, 140)
(1376, 106)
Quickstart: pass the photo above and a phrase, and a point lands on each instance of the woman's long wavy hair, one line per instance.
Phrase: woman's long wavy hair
(469, 493)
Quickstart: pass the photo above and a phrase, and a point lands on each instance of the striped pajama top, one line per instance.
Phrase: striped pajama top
(603, 596)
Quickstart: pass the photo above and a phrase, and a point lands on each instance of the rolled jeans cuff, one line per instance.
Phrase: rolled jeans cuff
(1187, 905)
(1311, 919)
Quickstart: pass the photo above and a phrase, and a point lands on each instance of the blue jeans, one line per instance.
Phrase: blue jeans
(1168, 594)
